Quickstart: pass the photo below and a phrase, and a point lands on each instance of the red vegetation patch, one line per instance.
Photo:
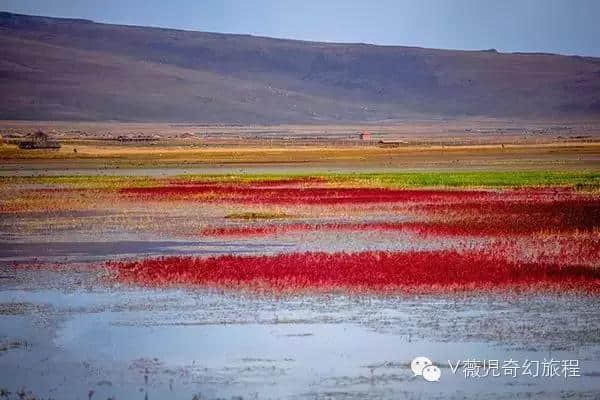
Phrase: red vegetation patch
(403, 272)
(448, 212)
(531, 239)
(519, 216)
(255, 194)
(482, 226)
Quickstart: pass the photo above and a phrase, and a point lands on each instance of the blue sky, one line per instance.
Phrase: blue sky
(557, 26)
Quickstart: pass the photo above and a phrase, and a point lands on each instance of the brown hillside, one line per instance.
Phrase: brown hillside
(68, 69)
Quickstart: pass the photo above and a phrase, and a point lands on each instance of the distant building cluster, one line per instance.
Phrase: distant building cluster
(38, 140)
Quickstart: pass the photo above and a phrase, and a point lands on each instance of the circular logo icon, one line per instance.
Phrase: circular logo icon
(418, 364)
(431, 373)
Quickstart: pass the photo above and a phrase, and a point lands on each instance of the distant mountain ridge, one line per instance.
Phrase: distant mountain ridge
(73, 69)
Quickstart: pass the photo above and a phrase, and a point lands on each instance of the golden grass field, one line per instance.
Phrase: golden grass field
(555, 156)
(462, 145)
